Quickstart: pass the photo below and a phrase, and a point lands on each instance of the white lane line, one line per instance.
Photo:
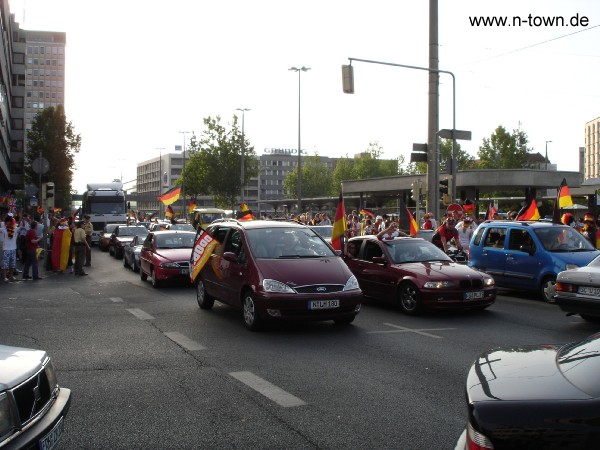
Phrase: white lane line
(400, 329)
(184, 341)
(140, 314)
(272, 392)
(116, 299)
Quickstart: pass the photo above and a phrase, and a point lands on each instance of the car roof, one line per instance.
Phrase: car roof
(524, 223)
(161, 232)
(260, 224)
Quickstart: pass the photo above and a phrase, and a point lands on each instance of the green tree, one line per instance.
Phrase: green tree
(344, 170)
(504, 150)
(316, 178)
(214, 165)
(52, 137)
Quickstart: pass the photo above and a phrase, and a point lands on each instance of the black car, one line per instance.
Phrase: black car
(123, 235)
(542, 397)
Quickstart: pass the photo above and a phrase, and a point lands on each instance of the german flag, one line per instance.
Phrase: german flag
(192, 205)
(469, 207)
(564, 196)
(367, 213)
(491, 212)
(171, 196)
(169, 213)
(339, 225)
(529, 211)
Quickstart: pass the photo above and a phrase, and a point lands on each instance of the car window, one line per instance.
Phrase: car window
(406, 251)
(372, 249)
(518, 238)
(562, 239)
(478, 235)
(495, 237)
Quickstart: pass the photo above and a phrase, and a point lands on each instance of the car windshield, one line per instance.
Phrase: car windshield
(324, 230)
(414, 250)
(133, 231)
(563, 239)
(169, 240)
(580, 364)
(182, 226)
(292, 242)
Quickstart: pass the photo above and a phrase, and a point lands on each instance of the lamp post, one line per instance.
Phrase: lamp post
(547, 154)
(299, 70)
(160, 184)
(182, 176)
(243, 110)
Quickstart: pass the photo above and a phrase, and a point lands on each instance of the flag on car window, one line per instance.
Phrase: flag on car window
(169, 213)
(171, 196)
(204, 244)
(339, 225)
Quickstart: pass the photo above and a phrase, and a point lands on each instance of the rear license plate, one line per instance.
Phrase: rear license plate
(589, 290)
(323, 304)
(474, 295)
(49, 441)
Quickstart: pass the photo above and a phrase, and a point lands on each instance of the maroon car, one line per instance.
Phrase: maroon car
(166, 255)
(277, 271)
(416, 275)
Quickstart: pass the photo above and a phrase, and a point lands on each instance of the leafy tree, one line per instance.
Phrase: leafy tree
(316, 178)
(214, 164)
(504, 150)
(52, 137)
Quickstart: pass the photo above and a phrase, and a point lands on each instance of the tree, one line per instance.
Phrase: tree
(53, 138)
(316, 178)
(344, 170)
(504, 150)
(214, 165)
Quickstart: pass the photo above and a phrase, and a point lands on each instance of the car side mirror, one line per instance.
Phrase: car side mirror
(230, 256)
(379, 260)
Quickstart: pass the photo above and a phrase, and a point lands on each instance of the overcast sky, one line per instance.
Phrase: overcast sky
(140, 71)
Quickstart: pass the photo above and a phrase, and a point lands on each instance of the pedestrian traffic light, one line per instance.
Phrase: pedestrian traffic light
(48, 194)
(444, 186)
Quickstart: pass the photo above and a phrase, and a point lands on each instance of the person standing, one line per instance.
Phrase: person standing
(31, 246)
(79, 245)
(89, 229)
(9, 236)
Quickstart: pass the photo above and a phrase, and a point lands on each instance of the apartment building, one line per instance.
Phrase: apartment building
(592, 149)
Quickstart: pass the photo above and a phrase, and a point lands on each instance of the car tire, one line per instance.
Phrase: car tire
(125, 262)
(118, 254)
(135, 267)
(204, 300)
(344, 320)
(250, 312)
(409, 299)
(548, 289)
(143, 275)
(155, 281)
(592, 319)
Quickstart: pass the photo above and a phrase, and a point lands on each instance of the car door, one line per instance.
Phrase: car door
(522, 265)
(212, 272)
(371, 275)
(146, 254)
(492, 258)
(233, 272)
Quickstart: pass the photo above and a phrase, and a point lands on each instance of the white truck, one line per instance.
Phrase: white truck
(104, 203)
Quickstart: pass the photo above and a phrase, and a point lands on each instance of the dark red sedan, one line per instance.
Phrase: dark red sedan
(166, 255)
(416, 275)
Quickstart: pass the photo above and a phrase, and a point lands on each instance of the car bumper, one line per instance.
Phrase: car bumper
(575, 303)
(436, 299)
(30, 437)
(172, 274)
(296, 306)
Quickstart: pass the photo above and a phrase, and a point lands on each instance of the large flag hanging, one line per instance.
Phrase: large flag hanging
(169, 213)
(529, 211)
(203, 248)
(171, 196)
(339, 225)
(192, 205)
(407, 221)
(491, 212)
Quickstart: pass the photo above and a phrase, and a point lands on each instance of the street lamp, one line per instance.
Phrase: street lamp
(299, 70)
(547, 154)
(182, 176)
(243, 110)
(160, 185)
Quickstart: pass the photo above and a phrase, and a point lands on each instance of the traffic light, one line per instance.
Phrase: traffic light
(48, 195)
(348, 79)
(444, 186)
(414, 191)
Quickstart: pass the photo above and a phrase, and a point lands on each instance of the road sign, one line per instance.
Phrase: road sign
(40, 165)
(459, 135)
(455, 210)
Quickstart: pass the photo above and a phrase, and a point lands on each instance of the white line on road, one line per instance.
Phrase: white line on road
(116, 299)
(184, 341)
(140, 314)
(272, 392)
(400, 329)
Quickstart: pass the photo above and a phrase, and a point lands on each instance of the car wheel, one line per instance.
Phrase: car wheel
(250, 313)
(155, 281)
(205, 301)
(143, 275)
(118, 253)
(125, 262)
(548, 289)
(135, 267)
(110, 252)
(344, 320)
(593, 319)
(409, 299)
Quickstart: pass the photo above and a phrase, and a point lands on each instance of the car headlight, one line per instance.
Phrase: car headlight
(571, 266)
(438, 284)
(351, 284)
(6, 420)
(169, 265)
(276, 286)
(51, 375)
(488, 281)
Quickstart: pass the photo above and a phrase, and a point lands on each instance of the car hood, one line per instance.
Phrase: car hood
(580, 259)
(587, 275)
(174, 254)
(525, 373)
(124, 239)
(305, 271)
(440, 270)
(18, 364)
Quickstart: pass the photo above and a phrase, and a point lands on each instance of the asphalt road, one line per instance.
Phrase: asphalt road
(149, 369)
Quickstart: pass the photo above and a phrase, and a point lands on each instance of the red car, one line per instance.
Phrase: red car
(416, 275)
(276, 271)
(166, 255)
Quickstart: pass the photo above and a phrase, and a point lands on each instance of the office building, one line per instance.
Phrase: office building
(592, 149)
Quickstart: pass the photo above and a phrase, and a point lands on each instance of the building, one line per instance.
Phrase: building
(592, 149)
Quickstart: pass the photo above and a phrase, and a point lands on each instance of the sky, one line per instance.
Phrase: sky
(140, 72)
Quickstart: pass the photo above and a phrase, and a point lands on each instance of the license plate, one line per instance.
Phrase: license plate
(323, 304)
(474, 295)
(49, 441)
(589, 290)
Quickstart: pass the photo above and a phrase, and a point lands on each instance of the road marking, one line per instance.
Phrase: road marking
(400, 329)
(140, 314)
(272, 392)
(116, 299)
(184, 341)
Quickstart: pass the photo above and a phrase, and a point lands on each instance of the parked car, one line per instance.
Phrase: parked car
(276, 271)
(132, 251)
(159, 226)
(165, 255)
(543, 396)
(121, 236)
(33, 406)
(578, 291)
(182, 226)
(105, 235)
(528, 255)
(416, 275)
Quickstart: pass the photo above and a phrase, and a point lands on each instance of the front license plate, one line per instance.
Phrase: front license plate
(323, 304)
(49, 441)
(474, 295)
(589, 290)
